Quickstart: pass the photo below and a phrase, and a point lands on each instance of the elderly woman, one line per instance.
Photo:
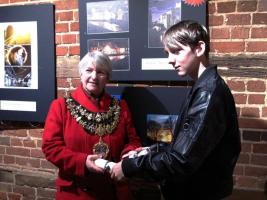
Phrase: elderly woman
(84, 126)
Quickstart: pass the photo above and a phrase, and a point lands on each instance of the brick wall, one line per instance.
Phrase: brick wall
(238, 31)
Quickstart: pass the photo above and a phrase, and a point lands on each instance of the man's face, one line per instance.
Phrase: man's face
(94, 80)
(183, 59)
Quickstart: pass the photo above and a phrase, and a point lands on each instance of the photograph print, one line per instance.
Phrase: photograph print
(107, 17)
(161, 15)
(116, 48)
(18, 42)
(160, 127)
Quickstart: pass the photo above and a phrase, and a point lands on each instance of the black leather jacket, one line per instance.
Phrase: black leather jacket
(199, 162)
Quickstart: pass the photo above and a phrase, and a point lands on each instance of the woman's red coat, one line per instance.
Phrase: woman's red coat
(66, 144)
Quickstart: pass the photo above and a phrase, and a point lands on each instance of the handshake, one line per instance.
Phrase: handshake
(108, 165)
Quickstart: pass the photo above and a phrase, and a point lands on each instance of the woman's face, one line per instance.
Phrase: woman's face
(94, 80)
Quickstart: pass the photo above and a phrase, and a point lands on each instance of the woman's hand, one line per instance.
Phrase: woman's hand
(116, 172)
(90, 164)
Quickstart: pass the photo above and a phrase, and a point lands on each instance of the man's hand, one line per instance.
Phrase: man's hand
(116, 172)
(90, 164)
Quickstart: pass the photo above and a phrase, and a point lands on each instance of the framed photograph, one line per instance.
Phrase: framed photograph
(27, 62)
(131, 31)
(154, 110)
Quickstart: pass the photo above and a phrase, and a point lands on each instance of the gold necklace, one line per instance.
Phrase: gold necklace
(96, 123)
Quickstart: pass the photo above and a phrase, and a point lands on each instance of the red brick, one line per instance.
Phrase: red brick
(256, 99)
(259, 160)
(215, 20)
(36, 133)
(258, 46)
(238, 86)
(255, 171)
(260, 32)
(238, 19)
(16, 142)
(240, 33)
(63, 83)
(264, 111)
(256, 86)
(211, 8)
(61, 50)
(69, 38)
(227, 47)
(246, 147)
(37, 153)
(39, 143)
(254, 136)
(260, 148)
(15, 133)
(18, 151)
(74, 50)
(248, 182)
(259, 18)
(3, 196)
(4, 1)
(47, 165)
(240, 98)
(9, 159)
(76, 82)
(2, 150)
(28, 162)
(220, 33)
(66, 4)
(14, 196)
(226, 7)
(62, 27)
(58, 39)
(239, 170)
(76, 15)
(16, 1)
(250, 112)
(252, 123)
(247, 6)
(61, 93)
(24, 190)
(262, 5)
(29, 143)
(65, 16)
(74, 26)
(243, 158)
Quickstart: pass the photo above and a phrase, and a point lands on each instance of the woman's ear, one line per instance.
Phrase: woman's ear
(200, 49)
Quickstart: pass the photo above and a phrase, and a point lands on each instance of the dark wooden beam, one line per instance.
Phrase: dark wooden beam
(251, 66)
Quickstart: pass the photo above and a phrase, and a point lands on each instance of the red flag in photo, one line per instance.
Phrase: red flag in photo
(194, 2)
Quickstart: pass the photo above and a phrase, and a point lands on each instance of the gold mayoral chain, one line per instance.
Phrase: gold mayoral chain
(98, 123)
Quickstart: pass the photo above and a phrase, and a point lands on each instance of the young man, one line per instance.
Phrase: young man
(199, 162)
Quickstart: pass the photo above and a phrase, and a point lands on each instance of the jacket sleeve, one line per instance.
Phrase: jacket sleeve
(132, 140)
(53, 145)
(202, 129)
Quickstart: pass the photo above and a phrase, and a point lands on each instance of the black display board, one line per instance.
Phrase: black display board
(27, 46)
(129, 31)
(150, 100)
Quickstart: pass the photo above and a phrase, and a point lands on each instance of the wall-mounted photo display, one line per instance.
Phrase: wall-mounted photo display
(27, 62)
(18, 41)
(131, 32)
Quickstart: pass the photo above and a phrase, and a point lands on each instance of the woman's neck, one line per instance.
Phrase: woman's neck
(95, 98)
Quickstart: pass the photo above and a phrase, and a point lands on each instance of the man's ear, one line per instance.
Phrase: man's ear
(200, 48)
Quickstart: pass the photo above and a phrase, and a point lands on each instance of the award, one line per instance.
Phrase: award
(101, 148)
